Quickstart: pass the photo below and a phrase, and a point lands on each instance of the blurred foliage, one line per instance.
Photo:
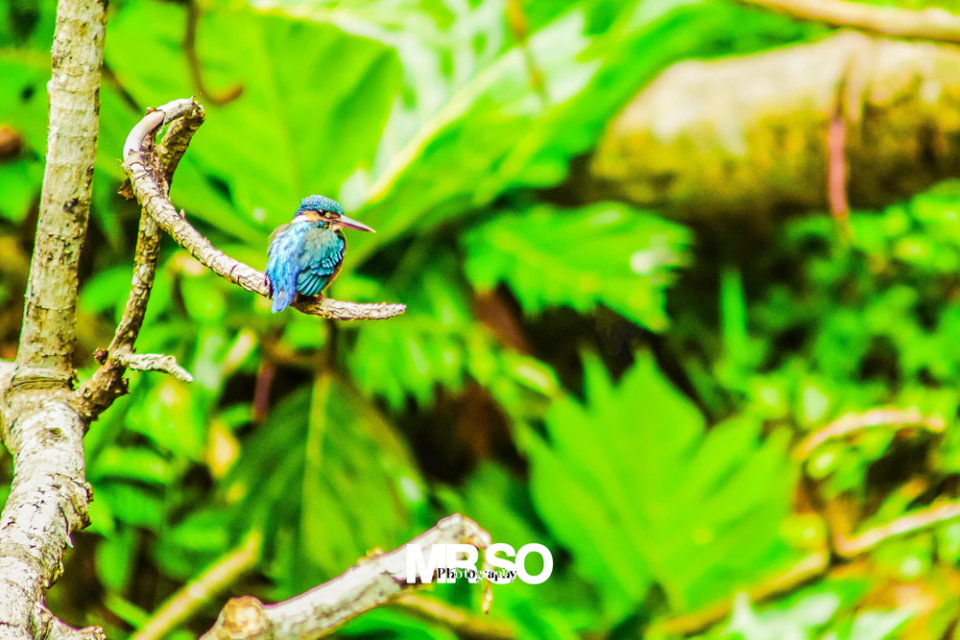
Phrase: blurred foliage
(623, 389)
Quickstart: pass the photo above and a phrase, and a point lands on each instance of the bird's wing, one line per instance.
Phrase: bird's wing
(323, 251)
(286, 245)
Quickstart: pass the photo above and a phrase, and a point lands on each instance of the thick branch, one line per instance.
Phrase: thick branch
(107, 383)
(758, 124)
(49, 496)
(927, 24)
(150, 194)
(48, 337)
(321, 610)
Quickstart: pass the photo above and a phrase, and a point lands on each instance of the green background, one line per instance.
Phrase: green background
(625, 389)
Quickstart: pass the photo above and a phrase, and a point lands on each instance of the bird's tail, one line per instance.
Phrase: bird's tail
(281, 300)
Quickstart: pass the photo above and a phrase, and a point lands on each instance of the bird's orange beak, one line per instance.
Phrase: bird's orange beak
(350, 223)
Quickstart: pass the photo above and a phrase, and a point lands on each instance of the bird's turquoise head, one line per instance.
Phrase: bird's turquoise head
(327, 213)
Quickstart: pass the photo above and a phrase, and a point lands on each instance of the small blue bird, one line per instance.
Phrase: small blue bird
(306, 254)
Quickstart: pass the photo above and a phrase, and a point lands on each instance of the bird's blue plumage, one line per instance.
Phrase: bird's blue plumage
(306, 254)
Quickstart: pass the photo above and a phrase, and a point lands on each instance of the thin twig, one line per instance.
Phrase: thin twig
(318, 612)
(150, 194)
(181, 605)
(155, 362)
(926, 24)
(806, 569)
(852, 422)
(910, 523)
(193, 61)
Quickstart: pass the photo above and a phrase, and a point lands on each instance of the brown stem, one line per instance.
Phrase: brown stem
(852, 422)
(193, 61)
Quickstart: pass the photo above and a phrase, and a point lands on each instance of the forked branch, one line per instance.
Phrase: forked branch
(107, 383)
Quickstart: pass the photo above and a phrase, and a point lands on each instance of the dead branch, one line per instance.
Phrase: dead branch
(156, 362)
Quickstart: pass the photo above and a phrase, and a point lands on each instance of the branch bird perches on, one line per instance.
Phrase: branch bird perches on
(139, 165)
(151, 169)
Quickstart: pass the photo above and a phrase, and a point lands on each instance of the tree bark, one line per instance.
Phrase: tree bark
(41, 428)
(748, 136)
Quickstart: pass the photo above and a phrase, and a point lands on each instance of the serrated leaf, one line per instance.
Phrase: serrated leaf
(633, 470)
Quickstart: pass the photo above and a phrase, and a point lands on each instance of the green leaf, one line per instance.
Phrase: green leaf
(602, 254)
(131, 504)
(137, 464)
(327, 479)
(115, 557)
(313, 104)
(168, 414)
(439, 343)
(618, 478)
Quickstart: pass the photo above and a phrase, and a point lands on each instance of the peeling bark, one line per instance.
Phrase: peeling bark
(748, 136)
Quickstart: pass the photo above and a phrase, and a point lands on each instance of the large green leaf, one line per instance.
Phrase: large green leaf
(520, 116)
(632, 484)
(327, 479)
(602, 254)
(313, 104)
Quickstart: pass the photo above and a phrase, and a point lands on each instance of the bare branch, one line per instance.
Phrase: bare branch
(199, 591)
(849, 547)
(155, 362)
(318, 612)
(49, 496)
(927, 24)
(107, 383)
(852, 422)
(150, 194)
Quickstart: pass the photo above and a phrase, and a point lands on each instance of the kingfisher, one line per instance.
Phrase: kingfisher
(306, 254)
